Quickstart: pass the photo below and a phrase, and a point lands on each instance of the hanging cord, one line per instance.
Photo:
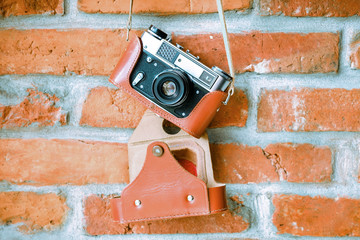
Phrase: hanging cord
(128, 25)
(227, 49)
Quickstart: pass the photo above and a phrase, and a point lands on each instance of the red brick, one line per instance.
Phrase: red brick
(235, 113)
(284, 161)
(316, 216)
(301, 162)
(309, 110)
(268, 52)
(241, 164)
(162, 7)
(308, 8)
(37, 108)
(45, 162)
(67, 51)
(33, 211)
(99, 221)
(355, 52)
(105, 107)
(27, 7)
(207, 6)
(79, 51)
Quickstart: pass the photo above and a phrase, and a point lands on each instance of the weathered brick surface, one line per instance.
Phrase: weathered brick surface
(162, 7)
(268, 52)
(99, 221)
(207, 6)
(235, 113)
(105, 107)
(45, 162)
(355, 52)
(37, 108)
(316, 216)
(309, 110)
(284, 161)
(77, 162)
(34, 212)
(69, 164)
(79, 51)
(27, 7)
(305, 8)
(64, 52)
(301, 162)
(241, 164)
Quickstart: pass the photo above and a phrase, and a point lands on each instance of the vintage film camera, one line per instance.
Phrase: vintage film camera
(172, 83)
(170, 171)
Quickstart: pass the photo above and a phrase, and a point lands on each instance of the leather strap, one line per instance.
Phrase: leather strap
(217, 198)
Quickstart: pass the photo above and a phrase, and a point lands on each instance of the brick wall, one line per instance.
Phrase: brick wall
(287, 145)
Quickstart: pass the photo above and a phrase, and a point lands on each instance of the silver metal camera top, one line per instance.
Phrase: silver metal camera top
(179, 46)
(188, 52)
(176, 58)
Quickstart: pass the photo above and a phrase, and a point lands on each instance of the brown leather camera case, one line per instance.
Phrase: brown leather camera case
(159, 182)
(194, 124)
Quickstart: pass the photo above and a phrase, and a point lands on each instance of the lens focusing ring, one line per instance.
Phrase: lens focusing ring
(181, 82)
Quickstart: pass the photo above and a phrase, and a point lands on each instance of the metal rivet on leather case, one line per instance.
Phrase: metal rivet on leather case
(157, 151)
(190, 198)
(137, 203)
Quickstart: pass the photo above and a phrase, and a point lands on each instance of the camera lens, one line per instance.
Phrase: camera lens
(171, 87)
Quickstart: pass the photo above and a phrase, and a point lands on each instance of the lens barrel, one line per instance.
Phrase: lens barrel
(171, 87)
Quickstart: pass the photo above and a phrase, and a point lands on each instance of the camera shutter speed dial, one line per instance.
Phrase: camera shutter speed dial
(157, 32)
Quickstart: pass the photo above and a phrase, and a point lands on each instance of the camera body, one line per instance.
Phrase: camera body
(173, 79)
(172, 83)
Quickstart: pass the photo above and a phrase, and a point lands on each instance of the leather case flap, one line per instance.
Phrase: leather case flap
(164, 188)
